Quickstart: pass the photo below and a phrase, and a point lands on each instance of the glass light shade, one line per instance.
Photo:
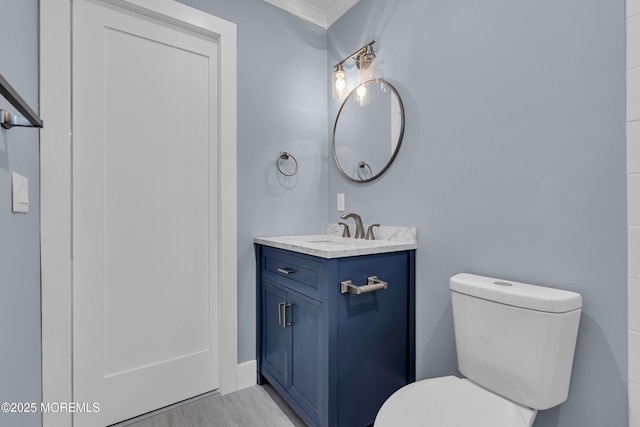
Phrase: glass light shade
(362, 96)
(371, 72)
(339, 84)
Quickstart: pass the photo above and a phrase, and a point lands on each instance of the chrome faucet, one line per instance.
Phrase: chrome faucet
(359, 228)
(345, 231)
(370, 235)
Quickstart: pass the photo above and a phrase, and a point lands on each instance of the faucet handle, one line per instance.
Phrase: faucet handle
(370, 235)
(345, 232)
(358, 220)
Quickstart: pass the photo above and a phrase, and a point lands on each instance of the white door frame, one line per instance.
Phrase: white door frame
(56, 201)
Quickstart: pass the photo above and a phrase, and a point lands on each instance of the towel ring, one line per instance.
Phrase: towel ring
(286, 156)
(362, 165)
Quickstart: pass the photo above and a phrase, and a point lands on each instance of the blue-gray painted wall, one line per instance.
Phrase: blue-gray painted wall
(282, 105)
(512, 166)
(513, 162)
(20, 349)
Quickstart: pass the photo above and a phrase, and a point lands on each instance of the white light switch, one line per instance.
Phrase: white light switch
(340, 202)
(20, 193)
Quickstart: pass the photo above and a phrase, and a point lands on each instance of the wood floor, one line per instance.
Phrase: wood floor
(257, 406)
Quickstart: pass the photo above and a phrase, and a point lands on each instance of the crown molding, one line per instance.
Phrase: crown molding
(302, 9)
(338, 9)
(312, 13)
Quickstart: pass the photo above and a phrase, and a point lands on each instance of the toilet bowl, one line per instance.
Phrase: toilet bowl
(515, 344)
(450, 402)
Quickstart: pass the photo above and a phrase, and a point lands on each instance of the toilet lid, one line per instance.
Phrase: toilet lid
(450, 402)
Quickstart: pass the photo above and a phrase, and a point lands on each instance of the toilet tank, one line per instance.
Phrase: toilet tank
(515, 339)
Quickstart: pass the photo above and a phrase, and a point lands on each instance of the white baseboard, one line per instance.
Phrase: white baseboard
(247, 374)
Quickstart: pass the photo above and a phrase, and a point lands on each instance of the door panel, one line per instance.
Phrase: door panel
(156, 205)
(367, 320)
(276, 339)
(144, 213)
(305, 347)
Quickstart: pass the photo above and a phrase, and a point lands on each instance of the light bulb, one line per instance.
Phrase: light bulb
(339, 83)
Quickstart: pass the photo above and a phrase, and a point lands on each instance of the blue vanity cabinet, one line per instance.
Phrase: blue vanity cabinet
(289, 353)
(335, 357)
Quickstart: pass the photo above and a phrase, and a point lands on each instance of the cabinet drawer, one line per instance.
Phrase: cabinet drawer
(294, 271)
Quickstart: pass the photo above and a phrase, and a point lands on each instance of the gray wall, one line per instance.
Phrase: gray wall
(513, 163)
(20, 233)
(512, 166)
(282, 105)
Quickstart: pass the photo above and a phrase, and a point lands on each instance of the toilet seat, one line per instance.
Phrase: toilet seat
(450, 402)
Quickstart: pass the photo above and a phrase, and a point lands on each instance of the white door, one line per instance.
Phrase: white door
(145, 214)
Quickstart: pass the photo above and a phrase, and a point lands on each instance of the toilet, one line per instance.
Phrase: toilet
(515, 345)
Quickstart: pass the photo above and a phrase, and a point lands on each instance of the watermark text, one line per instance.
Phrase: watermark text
(50, 407)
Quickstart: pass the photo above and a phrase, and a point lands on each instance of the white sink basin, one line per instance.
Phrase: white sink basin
(332, 246)
(325, 240)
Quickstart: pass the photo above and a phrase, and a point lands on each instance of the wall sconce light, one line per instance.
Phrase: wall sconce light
(339, 83)
(366, 62)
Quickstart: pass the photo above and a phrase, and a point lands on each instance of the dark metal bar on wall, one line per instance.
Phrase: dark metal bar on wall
(8, 120)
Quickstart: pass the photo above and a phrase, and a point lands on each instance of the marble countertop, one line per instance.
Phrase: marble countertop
(332, 245)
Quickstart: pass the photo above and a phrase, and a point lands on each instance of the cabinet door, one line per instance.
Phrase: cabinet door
(276, 339)
(373, 336)
(305, 347)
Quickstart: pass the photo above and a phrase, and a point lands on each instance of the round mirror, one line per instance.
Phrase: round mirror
(368, 131)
